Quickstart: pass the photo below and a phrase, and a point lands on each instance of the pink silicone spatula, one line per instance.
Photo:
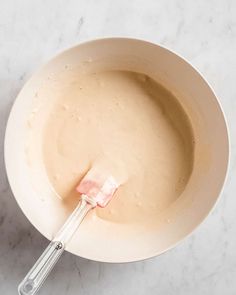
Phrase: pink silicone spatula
(96, 189)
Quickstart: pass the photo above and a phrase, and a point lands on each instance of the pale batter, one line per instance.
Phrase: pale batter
(131, 124)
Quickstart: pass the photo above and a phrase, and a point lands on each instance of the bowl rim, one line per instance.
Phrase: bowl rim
(178, 56)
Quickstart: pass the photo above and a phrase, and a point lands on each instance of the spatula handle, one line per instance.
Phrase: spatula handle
(39, 272)
(43, 266)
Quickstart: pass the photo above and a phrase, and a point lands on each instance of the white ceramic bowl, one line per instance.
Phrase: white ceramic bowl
(210, 156)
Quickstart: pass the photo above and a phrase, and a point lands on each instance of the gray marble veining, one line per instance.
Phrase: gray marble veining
(204, 32)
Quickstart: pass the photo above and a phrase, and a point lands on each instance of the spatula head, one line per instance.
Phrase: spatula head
(98, 185)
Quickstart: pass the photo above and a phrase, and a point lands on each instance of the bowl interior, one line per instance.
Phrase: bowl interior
(46, 212)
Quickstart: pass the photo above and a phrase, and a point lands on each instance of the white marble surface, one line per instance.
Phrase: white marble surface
(202, 31)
